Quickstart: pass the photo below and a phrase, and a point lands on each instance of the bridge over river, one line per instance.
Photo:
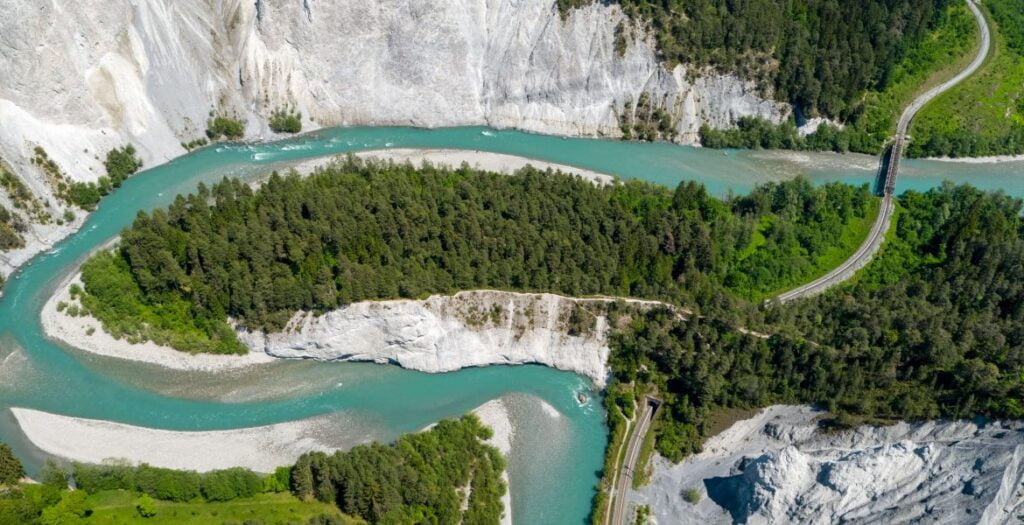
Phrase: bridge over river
(888, 170)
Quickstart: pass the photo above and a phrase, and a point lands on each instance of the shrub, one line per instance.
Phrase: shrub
(121, 163)
(71, 508)
(197, 143)
(285, 121)
(145, 506)
(85, 195)
(691, 495)
(221, 126)
(172, 485)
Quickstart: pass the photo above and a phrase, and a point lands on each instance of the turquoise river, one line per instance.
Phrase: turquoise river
(555, 458)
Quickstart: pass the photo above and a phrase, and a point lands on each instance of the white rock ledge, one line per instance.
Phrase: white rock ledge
(439, 334)
(447, 333)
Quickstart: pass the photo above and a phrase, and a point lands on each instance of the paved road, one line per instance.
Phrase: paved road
(877, 234)
(624, 483)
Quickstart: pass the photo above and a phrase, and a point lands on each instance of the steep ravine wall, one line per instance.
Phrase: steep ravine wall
(83, 77)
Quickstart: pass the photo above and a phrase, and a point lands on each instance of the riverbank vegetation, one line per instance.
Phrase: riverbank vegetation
(223, 126)
(359, 231)
(285, 120)
(12, 229)
(22, 200)
(120, 164)
(984, 115)
(648, 121)
(447, 474)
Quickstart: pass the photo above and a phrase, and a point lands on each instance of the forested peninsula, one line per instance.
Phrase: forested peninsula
(365, 230)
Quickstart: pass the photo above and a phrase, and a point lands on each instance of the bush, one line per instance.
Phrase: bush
(691, 495)
(197, 143)
(167, 484)
(145, 506)
(121, 163)
(285, 121)
(85, 195)
(221, 126)
(72, 507)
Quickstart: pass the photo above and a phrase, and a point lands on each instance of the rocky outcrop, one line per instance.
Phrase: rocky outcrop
(779, 467)
(81, 78)
(447, 333)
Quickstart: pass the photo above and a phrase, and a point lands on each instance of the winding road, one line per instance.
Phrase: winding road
(890, 162)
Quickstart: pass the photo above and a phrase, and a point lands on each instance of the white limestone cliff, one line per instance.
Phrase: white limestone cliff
(447, 333)
(81, 78)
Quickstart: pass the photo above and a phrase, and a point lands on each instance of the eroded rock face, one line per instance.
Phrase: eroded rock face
(447, 333)
(778, 467)
(82, 77)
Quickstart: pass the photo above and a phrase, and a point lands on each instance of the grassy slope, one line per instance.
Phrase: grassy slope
(984, 105)
(939, 57)
(116, 507)
(854, 234)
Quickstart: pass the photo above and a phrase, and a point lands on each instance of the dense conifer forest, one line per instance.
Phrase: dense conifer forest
(360, 231)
